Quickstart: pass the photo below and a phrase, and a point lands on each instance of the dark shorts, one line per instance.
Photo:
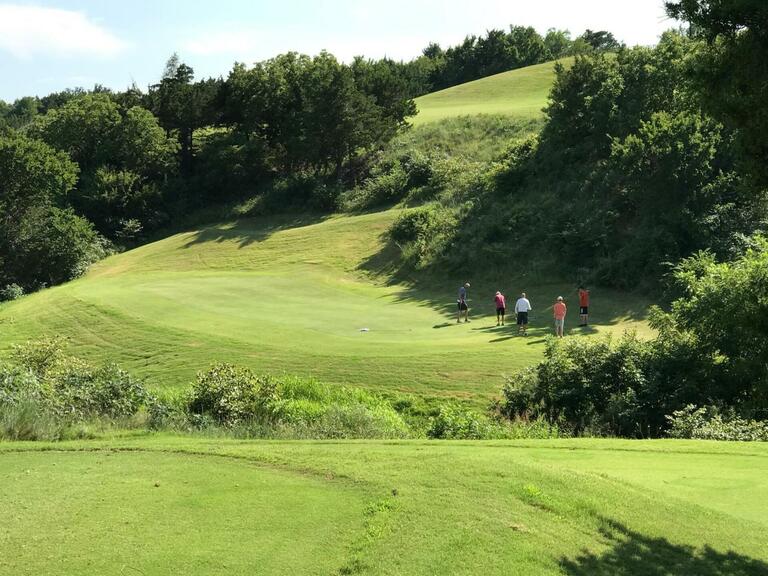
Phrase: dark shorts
(462, 305)
(584, 310)
(522, 318)
(501, 311)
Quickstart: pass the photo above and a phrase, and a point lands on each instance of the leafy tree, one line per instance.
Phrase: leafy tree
(724, 308)
(31, 174)
(732, 70)
(600, 40)
(557, 43)
(22, 112)
(40, 243)
(124, 158)
(183, 106)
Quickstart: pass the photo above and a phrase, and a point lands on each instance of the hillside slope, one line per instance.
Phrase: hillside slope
(520, 93)
(305, 296)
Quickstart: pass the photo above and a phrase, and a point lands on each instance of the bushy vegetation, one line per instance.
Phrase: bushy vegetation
(47, 395)
(236, 399)
(455, 422)
(41, 242)
(628, 174)
(710, 350)
(707, 423)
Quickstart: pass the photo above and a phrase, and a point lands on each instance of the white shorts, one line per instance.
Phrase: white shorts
(559, 322)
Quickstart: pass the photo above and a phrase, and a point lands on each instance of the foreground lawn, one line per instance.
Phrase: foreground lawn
(292, 296)
(160, 505)
(521, 93)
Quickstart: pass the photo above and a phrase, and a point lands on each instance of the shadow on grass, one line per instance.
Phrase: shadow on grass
(610, 307)
(635, 554)
(251, 230)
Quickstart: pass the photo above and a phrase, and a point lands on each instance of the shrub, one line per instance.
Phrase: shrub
(230, 394)
(68, 387)
(706, 423)
(252, 405)
(26, 418)
(457, 422)
(11, 292)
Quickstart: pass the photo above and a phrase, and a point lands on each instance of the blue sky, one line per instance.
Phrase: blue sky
(49, 45)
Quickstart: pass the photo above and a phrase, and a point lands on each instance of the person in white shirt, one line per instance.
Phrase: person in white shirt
(522, 307)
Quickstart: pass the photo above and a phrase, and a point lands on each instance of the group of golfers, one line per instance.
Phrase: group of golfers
(523, 308)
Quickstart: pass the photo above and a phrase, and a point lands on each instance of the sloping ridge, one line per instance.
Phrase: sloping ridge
(522, 92)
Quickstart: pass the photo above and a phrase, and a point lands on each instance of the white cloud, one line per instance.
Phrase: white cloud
(27, 31)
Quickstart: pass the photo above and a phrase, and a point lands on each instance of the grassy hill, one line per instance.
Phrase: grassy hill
(519, 93)
(162, 505)
(291, 295)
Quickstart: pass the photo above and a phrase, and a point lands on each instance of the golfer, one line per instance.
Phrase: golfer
(522, 307)
(559, 311)
(583, 306)
(501, 307)
(462, 303)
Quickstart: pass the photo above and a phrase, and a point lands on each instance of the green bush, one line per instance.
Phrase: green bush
(264, 406)
(11, 292)
(231, 395)
(27, 418)
(68, 387)
(456, 422)
(707, 423)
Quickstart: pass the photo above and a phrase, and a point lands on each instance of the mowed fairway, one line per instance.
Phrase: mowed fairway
(521, 93)
(163, 505)
(291, 296)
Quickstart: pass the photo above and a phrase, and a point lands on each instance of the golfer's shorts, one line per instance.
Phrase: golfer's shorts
(559, 322)
(462, 305)
(522, 318)
(584, 310)
(501, 311)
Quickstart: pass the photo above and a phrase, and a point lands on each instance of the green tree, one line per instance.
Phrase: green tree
(557, 43)
(40, 243)
(125, 159)
(732, 71)
(183, 106)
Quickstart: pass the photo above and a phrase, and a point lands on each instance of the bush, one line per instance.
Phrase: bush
(231, 395)
(68, 387)
(456, 422)
(706, 423)
(11, 292)
(29, 419)
(264, 406)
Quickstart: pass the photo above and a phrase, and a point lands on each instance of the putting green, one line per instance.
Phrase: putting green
(293, 296)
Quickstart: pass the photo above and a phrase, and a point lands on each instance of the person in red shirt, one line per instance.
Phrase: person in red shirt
(583, 305)
(501, 307)
(559, 311)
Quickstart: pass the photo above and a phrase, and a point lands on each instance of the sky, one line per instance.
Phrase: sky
(49, 45)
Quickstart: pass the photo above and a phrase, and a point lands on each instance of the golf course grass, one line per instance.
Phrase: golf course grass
(164, 505)
(303, 296)
(520, 93)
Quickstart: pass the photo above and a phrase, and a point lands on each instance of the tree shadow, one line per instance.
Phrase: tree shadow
(635, 554)
(248, 231)
(436, 288)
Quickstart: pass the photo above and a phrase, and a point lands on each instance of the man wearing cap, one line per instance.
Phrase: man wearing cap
(522, 307)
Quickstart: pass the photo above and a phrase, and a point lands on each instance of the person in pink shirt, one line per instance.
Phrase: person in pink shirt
(501, 307)
(559, 310)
